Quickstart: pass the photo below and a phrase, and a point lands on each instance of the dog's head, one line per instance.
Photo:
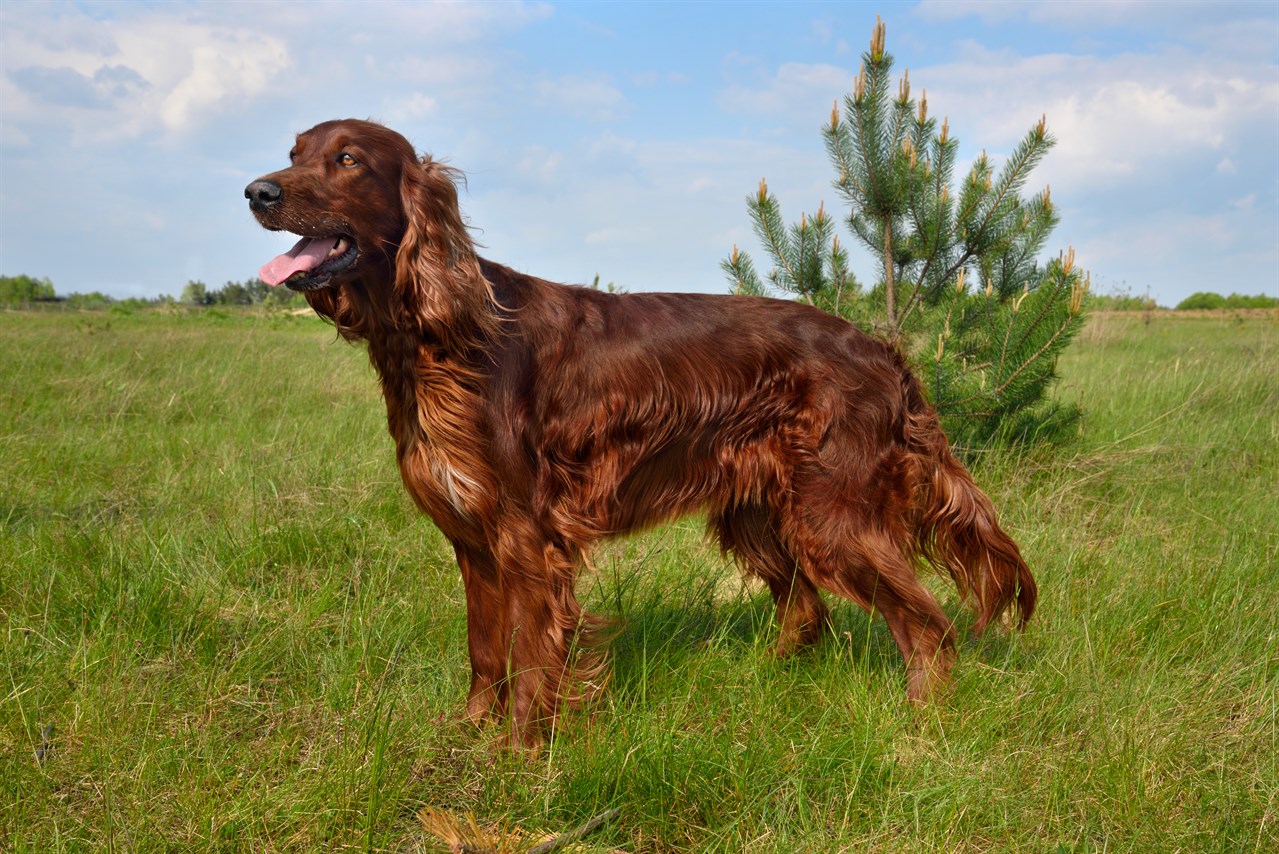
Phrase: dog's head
(341, 196)
(382, 238)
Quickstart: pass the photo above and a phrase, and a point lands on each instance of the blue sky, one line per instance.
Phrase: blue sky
(623, 138)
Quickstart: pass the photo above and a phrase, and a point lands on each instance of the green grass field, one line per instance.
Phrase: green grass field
(224, 628)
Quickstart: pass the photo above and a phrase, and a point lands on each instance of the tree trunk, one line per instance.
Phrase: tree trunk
(890, 291)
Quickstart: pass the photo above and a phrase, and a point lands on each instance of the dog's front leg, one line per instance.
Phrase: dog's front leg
(542, 624)
(486, 634)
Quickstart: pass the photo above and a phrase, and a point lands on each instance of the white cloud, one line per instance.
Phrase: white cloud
(646, 214)
(1128, 115)
(579, 95)
(1075, 16)
(118, 79)
(10, 136)
(225, 67)
(169, 69)
(616, 235)
(999, 11)
(1135, 132)
(794, 88)
(413, 106)
(1150, 253)
(655, 78)
(1121, 116)
(435, 69)
(540, 164)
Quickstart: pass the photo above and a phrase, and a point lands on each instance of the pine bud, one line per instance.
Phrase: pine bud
(834, 116)
(923, 106)
(903, 88)
(945, 129)
(763, 191)
(1016, 304)
(1077, 297)
(1068, 260)
(877, 41)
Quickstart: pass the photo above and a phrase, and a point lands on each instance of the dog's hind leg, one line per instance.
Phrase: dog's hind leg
(841, 550)
(750, 535)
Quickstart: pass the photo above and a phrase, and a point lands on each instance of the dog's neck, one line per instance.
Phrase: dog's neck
(434, 411)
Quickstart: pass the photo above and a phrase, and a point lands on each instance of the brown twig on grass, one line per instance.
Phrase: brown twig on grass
(573, 835)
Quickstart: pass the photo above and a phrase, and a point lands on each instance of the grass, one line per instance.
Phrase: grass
(225, 629)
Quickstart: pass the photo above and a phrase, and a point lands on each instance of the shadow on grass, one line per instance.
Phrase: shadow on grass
(663, 638)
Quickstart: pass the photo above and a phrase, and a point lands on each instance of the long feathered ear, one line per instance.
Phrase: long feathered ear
(437, 272)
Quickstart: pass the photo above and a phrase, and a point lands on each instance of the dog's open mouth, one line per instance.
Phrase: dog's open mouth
(311, 263)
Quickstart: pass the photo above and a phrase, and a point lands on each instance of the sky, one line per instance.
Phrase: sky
(622, 139)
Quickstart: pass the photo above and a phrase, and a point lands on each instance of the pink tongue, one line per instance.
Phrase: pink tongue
(308, 253)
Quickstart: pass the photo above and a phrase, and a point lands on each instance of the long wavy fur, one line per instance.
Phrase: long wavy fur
(533, 419)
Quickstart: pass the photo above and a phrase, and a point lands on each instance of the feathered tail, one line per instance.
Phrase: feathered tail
(956, 528)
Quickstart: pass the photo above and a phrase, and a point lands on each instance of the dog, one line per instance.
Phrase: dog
(532, 420)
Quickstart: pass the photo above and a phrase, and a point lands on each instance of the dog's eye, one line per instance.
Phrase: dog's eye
(293, 155)
(347, 161)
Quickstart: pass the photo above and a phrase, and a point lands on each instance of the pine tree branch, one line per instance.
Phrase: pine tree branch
(1024, 159)
(768, 205)
(1024, 365)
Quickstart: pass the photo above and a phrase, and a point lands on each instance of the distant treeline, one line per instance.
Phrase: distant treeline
(1204, 300)
(25, 290)
(248, 292)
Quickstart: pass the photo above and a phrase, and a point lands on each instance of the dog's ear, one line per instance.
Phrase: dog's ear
(437, 272)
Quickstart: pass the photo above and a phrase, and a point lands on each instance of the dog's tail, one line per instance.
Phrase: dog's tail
(955, 526)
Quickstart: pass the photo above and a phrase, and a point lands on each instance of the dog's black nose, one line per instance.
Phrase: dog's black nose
(263, 194)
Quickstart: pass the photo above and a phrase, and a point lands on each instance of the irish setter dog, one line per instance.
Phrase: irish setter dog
(532, 419)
